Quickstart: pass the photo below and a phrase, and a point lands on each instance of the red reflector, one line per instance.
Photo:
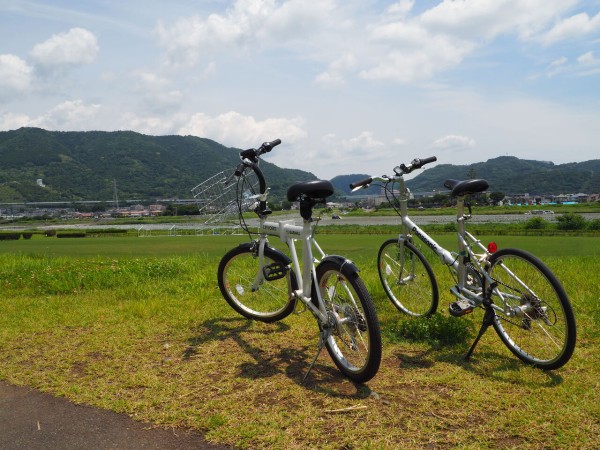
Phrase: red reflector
(492, 247)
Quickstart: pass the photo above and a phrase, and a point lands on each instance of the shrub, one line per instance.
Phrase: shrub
(450, 226)
(70, 235)
(50, 233)
(536, 223)
(9, 236)
(571, 221)
(27, 235)
(594, 224)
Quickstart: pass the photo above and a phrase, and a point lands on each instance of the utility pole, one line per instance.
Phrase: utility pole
(115, 196)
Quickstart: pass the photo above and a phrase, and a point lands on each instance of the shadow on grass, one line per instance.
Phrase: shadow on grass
(486, 364)
(450, 340)
(291, 362)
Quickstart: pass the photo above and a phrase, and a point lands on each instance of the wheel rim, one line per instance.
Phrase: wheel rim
(538, 333)
(349, 341)
(270, 299)
(405, 280)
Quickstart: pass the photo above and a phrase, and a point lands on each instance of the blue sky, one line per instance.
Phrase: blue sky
(349, 86)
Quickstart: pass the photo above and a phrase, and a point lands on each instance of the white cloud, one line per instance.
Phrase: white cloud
(572, 27)
(248, 25)
(363, 142)
(72, 115)
(401, 45)
(401, 8)
(210, 70)
(12, 121)
(151, 125)
(237, 130)
(334, 76)
(588, 65)
(416, 49)
(335, 155)
(156, 93)
(587, 59)
(585, 65)
(15, 75)
(75, 47)
(487, 19)
(454, 143)
(422, 62)
(329, 79)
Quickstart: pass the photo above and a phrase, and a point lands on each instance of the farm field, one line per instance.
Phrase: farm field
(138, 325)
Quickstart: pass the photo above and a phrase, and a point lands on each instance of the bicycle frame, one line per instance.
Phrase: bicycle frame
(466, 242)
(306, 275)
(536, 323)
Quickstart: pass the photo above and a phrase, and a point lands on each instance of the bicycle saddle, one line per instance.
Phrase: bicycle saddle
(315, 189)
(465, 187)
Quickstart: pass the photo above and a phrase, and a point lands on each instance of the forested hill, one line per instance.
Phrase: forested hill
(85, 165)
(512, 175)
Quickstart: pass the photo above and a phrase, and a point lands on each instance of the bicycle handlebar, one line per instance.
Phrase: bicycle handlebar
(361, 183)
(252, 154)
(415, 164)
(400, 170)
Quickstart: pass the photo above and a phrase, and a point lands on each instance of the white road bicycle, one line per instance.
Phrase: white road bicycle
(263, 283)
(522, 298)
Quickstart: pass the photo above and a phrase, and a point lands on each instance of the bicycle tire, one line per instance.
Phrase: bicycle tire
(411, 288)
(272, 300)
(545, 334)
(355, 344)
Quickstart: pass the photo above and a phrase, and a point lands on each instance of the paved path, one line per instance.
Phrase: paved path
(33, 420)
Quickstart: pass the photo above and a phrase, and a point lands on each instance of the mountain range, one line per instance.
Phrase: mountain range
(506, 174)
(37, 165)
(73, 166)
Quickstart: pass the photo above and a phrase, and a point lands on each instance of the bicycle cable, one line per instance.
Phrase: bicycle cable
(239, 200)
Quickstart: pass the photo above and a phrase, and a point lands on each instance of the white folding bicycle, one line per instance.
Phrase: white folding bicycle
(262, 283)
(522, 298)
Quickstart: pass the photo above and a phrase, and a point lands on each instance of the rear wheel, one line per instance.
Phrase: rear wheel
(407, 278)
(355, 341)
(540, 327)
(263, 295)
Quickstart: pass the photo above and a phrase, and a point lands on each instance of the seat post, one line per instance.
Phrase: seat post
(306, 207)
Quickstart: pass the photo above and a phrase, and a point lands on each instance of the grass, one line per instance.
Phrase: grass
(137, 325)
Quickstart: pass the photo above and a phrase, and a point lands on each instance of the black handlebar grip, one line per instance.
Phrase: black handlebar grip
(428, 160)
(268, 146)
(361, 183)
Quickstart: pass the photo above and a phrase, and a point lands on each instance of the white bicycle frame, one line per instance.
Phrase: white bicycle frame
(466, 242)
(306, 274)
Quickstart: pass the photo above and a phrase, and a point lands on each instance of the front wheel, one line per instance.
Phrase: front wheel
(407, 278)
(355, 340)
(537, 323)
(245, 287)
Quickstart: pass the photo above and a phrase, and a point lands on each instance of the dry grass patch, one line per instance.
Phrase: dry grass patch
(164, 347)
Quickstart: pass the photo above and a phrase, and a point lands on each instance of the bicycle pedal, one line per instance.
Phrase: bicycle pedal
(275, 271)
(460, 308)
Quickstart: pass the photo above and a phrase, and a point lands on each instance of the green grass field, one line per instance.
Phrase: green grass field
(138, 325)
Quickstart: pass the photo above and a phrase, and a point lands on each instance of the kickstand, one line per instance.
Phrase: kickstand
(488, 319)
(319, 349)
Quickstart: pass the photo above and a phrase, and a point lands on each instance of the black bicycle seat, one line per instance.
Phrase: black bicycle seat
(315, 189)
(466, 187)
